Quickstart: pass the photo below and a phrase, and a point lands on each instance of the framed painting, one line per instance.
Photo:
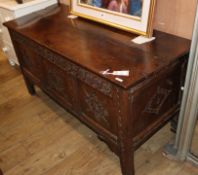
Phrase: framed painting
(131, 15)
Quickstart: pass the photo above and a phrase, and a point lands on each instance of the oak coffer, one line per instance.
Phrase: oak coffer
(66, 59)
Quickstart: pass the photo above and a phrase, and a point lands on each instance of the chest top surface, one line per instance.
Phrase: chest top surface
(97, 47)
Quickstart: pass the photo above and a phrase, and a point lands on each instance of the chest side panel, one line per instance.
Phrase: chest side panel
(156, 100)
(31, 63)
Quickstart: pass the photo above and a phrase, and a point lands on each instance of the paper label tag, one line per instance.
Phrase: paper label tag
(72, 16)
(142, 40)
(118, 73)
(119, 79)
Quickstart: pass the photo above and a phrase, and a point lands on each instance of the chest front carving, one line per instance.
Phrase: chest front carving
(96, 107)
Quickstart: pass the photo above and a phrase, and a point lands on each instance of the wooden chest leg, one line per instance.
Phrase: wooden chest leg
(30, 86)
(127, 160)
(1, 173)
(125, 132)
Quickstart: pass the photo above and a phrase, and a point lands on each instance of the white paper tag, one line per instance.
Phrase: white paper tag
(121, 73)
(119, 79)
(72, 16)
(142, 40)
(118, 73)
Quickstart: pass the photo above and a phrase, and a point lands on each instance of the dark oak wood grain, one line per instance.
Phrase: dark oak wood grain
(1, 173)
(65, 57)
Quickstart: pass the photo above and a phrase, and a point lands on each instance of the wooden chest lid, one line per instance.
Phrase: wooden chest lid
(97, 47)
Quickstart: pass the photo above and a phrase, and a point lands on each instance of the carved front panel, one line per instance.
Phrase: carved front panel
(59, 84)
(152, 102)
(97, 107)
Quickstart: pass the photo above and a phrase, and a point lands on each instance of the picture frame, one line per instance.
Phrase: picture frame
(134, 16)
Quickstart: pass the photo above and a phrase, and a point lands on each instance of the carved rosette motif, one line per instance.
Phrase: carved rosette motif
(87, 77)
(97, 108)
(157, 100)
